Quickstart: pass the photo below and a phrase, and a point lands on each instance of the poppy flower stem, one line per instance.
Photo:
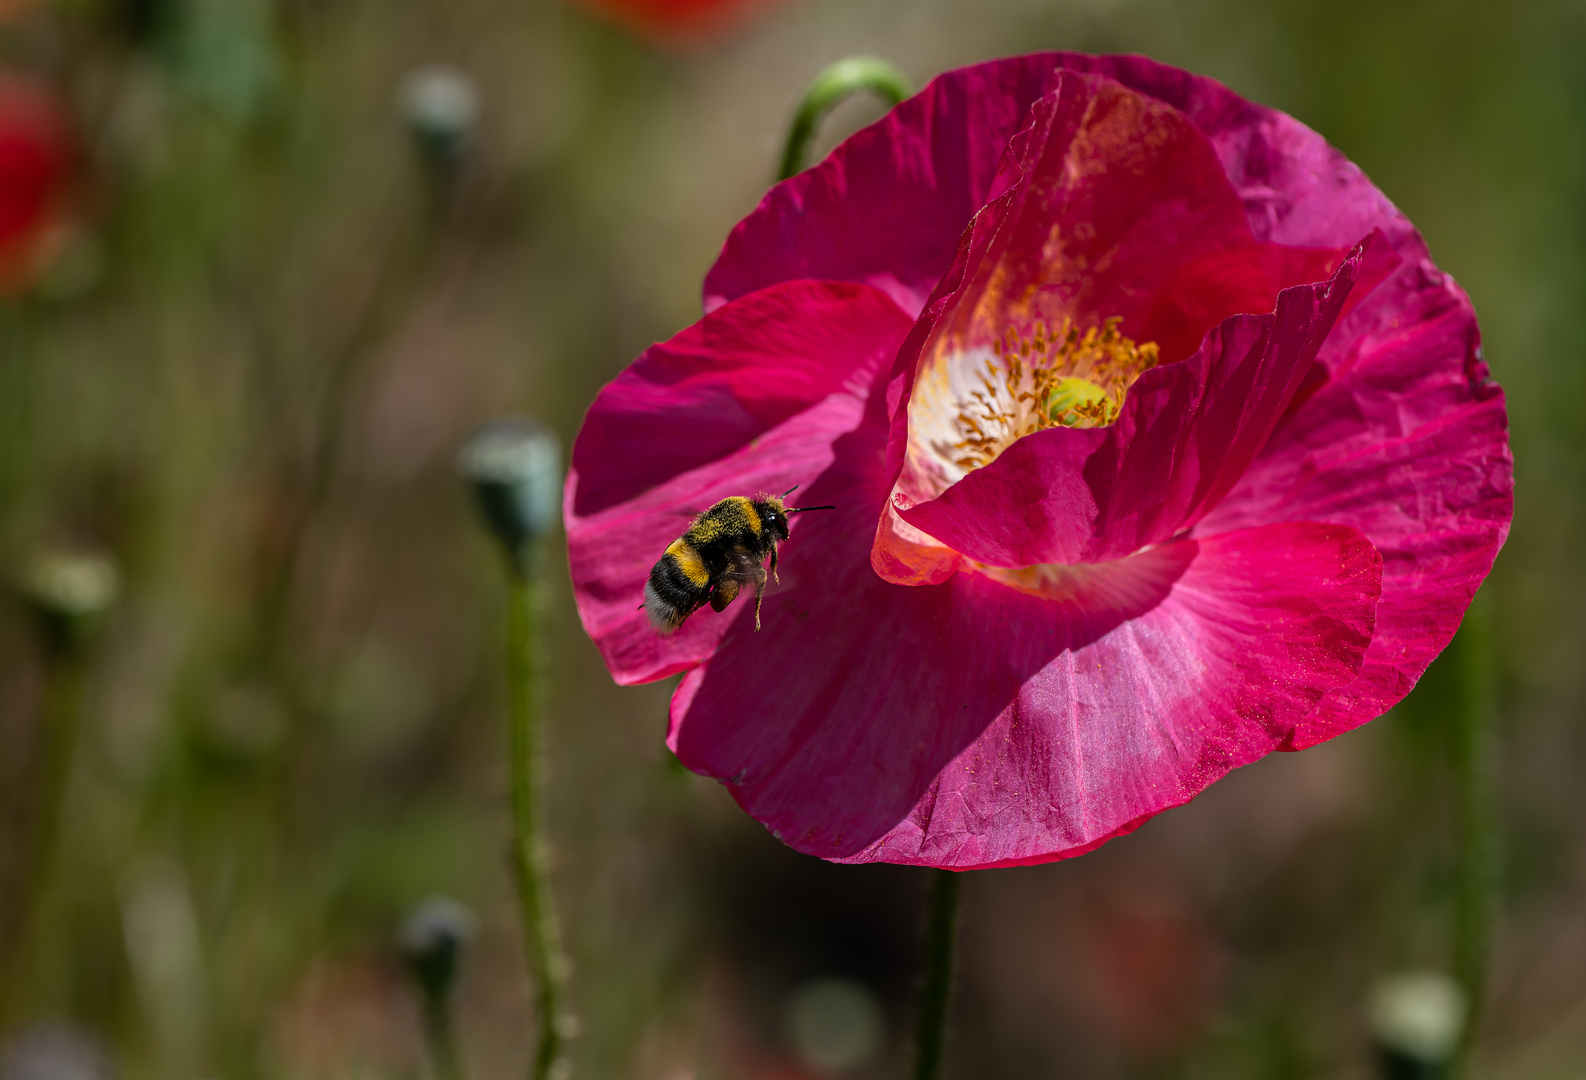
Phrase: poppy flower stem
(59, 723)
(441, 1037)
(1476, 767)
(834, 85)
(936, 987)
(541, 934)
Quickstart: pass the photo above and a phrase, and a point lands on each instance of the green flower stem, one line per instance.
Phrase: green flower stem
(1476, 768)
(838, 82)
(60, 719)
(936, 989)
(16, 393)
(542, 939)
(441, 1036)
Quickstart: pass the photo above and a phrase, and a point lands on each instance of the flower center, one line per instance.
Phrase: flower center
(1058, 378)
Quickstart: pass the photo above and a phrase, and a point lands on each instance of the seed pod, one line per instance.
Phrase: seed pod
(433, 939)
(69, 591)
(440, 105)
(1417, 1019)
(515, 469)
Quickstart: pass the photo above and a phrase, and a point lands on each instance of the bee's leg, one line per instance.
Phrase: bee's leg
(773, 566)
(759, 592)
(726, 592)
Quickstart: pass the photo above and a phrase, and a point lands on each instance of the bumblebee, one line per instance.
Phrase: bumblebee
(722, 551)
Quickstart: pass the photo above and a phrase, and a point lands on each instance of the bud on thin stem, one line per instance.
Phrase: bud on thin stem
(440, 105)
(1417, 1021)
(514, 467)
(69, 591)
(834, 85)
(433, 939)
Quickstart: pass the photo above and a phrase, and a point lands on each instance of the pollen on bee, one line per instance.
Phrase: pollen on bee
(1052, 378)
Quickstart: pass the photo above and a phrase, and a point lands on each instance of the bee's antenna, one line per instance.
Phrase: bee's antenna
(789, 491)
(801, 509)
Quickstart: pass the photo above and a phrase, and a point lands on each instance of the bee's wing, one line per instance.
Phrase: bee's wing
(747, 569)
(741, 570)
(743, 567)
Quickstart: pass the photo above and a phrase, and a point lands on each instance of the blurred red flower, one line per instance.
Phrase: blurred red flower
(1153, 970)
(1157, 440)
(676, 19)
(35, 171)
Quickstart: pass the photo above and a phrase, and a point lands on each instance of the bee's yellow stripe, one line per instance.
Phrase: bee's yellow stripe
(689, 562)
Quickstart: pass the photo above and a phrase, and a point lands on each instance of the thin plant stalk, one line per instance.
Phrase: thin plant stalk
(936, 987)
(441, 1037)
(834, 85)
(1476, 771)
(39, 828)
(16, 394)
(541, 935)
(63, 708)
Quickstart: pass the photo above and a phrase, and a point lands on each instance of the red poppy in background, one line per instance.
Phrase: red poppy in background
(35, 158)
(1158, 444)
(676, 19)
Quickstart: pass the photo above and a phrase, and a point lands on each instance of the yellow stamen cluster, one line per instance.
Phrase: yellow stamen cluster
(1060, 378)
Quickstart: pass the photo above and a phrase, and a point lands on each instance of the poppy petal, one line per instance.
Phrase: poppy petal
(750, 398)
(968, 724)
(1406, 441)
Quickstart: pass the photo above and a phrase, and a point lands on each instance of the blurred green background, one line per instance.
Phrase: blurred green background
(243, 378)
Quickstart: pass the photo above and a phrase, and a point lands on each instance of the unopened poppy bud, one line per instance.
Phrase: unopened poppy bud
(68, 590)
(1417, 1019)
(515, 469)
(433, 939)
(440, 105)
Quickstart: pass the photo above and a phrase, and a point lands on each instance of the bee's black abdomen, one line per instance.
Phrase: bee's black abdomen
(678, 586)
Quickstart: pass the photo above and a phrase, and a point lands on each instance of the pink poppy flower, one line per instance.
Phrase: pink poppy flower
(1158, 441)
